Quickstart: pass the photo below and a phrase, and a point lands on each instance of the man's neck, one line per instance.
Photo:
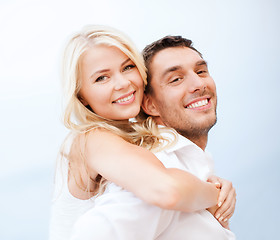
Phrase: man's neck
(200, 141)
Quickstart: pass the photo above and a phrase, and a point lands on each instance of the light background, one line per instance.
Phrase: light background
(239, 39)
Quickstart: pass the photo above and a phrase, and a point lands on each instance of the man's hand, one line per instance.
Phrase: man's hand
(226, 201)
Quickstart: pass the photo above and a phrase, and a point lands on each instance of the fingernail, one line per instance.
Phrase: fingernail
(218, 215)
(219, 204)
(220, 219)
(225, 219)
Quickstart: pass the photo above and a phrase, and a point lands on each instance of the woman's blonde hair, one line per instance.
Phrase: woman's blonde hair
(81, 119)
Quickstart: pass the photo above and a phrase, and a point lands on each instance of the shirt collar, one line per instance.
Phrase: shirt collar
(181, 142)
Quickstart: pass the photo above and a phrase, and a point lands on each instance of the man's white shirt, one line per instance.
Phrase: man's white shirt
(120, 215)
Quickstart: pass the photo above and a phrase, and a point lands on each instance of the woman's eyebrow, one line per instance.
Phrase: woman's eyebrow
(106, 70)
(125, 61)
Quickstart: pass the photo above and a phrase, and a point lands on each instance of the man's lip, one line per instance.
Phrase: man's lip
(197, 100)
(124, 96)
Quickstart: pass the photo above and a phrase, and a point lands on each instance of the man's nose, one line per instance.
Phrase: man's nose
(195, 83)
(121, 81)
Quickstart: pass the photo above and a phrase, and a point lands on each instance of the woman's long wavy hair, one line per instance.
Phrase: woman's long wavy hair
(81, 119)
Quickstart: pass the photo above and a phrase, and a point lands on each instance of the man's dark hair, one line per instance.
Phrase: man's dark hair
(166, 42)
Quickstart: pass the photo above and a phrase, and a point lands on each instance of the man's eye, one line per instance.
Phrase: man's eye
(101, 78)
(128, 67)
(201, 72)
(175, 80)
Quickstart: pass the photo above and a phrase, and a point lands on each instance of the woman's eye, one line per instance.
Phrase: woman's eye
(128, 67)
(101, 78)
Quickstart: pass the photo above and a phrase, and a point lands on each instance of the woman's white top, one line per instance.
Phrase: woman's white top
(119, 215)
(66, 208)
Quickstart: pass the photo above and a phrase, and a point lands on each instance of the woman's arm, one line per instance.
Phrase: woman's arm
(138, 170)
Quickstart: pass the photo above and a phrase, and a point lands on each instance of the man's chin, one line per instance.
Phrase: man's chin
(203, 127)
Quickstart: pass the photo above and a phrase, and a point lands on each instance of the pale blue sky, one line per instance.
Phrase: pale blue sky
(239, 39)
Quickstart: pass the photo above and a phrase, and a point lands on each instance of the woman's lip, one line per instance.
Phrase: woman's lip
(124, 96)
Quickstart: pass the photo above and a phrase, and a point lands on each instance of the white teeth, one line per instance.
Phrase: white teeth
(124, 99)
(198, 104)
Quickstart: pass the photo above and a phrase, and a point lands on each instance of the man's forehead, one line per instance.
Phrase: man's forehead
(174, 56)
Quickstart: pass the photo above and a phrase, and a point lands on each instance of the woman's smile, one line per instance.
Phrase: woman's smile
(126, 99)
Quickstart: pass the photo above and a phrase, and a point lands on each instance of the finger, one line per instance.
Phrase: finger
(228, 217)
(225, 225)
(214, 179)
(229, 201)
(225, 190)
(227, 206)
(228, 213)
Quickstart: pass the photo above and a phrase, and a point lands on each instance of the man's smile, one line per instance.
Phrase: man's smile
(201, 103)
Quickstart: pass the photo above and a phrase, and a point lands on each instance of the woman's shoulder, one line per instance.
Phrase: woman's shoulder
(103, 142)
(99, 136)
(95, 142)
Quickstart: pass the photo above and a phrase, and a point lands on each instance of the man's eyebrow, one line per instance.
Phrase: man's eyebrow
(179, 67)
(201, 63)
(171, 69)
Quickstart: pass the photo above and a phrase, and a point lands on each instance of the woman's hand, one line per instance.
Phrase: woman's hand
(226, 201)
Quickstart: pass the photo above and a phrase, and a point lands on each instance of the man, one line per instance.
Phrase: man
(182, 95)
(180, 92)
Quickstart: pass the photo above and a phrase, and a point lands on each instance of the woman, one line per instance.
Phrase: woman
(104, 78)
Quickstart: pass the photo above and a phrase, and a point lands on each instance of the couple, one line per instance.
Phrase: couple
(109, 184)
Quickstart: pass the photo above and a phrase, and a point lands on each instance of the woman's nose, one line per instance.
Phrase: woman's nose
(121, 82)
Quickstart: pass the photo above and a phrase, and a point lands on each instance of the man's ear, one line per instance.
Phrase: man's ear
(148, 106)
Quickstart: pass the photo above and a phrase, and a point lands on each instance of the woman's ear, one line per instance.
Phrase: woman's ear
(148, 106)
